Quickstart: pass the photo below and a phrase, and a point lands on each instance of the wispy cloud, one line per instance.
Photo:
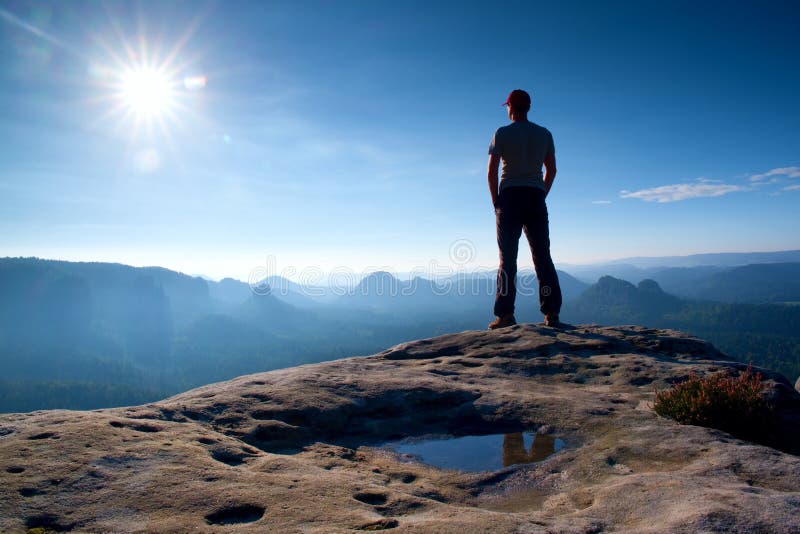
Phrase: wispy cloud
(792, 187)
(676, 192)
(601, 202)
(790, 172)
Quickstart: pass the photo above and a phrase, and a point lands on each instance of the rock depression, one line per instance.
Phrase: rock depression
(296, 450)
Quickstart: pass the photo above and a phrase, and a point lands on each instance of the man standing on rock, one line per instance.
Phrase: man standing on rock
(524, 147)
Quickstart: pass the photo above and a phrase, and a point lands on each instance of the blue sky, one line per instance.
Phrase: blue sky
(355, 133)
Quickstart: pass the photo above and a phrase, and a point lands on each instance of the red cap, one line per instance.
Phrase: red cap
(518, 99)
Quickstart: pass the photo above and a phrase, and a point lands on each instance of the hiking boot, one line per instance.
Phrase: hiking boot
(552, 321)
(502, 322)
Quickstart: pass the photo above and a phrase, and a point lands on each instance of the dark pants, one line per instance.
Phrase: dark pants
(521, 208)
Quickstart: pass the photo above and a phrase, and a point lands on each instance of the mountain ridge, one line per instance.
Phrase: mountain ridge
(121, 334)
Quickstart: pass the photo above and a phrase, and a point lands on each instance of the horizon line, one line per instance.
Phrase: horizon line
(459, 269)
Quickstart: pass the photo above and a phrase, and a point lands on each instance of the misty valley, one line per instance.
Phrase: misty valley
(92, 335)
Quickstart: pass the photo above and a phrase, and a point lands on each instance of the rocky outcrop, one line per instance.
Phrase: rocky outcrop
(294, 450)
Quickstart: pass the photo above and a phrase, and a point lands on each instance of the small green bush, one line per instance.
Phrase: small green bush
(733, 404)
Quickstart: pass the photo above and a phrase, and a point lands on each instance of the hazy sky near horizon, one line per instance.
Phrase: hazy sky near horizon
(356, 133)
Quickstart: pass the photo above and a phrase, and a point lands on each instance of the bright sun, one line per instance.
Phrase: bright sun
(147, 92)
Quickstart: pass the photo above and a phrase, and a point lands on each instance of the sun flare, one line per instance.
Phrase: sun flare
(147, 92)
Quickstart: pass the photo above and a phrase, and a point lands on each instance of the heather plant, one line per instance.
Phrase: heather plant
(734, 404)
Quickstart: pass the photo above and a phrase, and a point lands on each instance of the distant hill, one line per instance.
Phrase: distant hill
(89, 335)
(618, 301)
(758, 283)
(301, 296)
(724, 259)
(118, 332)
(638, 268)
(755, 283)
(465, 293)
(230, 292)
(110, 286)
(571, 287)
(766, 334)
(682, 281)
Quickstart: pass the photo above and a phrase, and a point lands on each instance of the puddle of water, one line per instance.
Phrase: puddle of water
(477, 453)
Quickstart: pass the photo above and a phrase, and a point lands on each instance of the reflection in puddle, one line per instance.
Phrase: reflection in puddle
(478, 453)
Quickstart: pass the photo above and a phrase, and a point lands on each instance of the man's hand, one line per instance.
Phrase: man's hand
(549, 172)
(494, 162)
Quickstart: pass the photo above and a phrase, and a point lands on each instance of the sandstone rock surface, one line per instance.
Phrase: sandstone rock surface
(295, 450)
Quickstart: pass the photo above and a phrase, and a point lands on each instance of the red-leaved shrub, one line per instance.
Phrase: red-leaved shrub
(733, 404)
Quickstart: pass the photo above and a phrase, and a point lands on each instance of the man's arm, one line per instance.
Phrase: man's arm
(549, 171)
(494, 162)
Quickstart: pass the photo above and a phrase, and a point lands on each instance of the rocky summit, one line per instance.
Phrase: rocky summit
(300, 449)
